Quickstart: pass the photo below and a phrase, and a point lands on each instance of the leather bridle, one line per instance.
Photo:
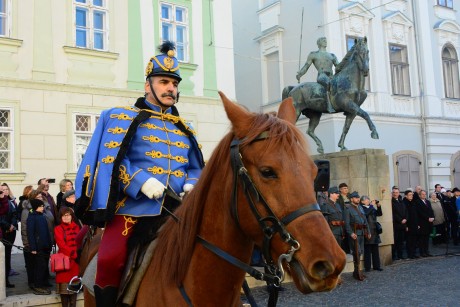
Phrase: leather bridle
(270, 224)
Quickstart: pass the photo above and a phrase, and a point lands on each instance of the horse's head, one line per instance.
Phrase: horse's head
(275, 206)
(362, 55)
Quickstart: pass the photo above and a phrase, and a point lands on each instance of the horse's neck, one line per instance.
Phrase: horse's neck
(352, 70)
(220, 229)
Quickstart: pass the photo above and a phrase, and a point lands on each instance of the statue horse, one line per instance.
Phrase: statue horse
(257, 188)
(347, 94)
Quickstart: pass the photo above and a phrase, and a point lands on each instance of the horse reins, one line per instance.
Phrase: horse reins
(270, 225)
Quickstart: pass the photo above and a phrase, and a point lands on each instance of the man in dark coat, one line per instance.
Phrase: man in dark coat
(412, 223)
(450, 208)
(425, 221)
(40, 245)
(399, 223)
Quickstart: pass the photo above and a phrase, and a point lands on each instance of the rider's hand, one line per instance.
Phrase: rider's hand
(188, 187)
(153, 188)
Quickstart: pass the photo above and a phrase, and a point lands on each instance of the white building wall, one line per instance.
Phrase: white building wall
(223, 40)
(424, 122)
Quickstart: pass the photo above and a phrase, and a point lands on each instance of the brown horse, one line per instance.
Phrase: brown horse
(228, 212)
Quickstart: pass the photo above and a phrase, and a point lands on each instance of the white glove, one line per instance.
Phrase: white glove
(153, 188)
(188, 187)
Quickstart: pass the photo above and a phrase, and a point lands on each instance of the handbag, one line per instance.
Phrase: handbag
(59, 262)
(378, 228)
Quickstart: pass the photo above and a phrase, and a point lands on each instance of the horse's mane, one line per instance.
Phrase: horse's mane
(176, 240)
(345, 59)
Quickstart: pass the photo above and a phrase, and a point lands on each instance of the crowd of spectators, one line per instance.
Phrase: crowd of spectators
(353, 221)
(46, 227)
(417, 218)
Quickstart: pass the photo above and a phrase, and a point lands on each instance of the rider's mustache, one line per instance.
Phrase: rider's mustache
(169, 95)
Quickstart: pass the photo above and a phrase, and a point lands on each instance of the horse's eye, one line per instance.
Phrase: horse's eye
(268, 173)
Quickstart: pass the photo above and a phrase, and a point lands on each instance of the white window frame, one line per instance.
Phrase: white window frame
(78, 154)
(7, 16)
(9, 130)
(445, 3)
(174, 24)
(399, 72)
(450, 71)
(90, 30)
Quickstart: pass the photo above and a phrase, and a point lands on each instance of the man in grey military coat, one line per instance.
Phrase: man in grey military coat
(333, 214)
(357, 228)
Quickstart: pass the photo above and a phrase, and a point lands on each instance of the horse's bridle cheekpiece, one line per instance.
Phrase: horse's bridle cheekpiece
(270, 225)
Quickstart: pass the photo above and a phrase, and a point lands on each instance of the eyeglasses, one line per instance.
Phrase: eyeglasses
(67, 215)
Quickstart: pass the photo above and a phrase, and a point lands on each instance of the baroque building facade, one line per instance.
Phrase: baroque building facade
(413, 84)
(63, 62)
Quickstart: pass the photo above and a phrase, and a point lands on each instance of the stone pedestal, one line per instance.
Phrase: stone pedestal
(367, 172)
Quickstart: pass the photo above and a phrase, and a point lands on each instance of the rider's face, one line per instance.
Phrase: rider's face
(165, 88)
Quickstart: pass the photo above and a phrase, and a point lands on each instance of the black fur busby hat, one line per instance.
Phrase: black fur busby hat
(165, 63)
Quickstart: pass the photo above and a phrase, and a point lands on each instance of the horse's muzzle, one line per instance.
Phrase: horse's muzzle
(323, 277)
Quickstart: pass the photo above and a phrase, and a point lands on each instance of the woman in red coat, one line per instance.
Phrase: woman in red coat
(65, 235)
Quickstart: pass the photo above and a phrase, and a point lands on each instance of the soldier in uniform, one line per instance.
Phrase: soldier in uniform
(333, 214)
(323, 62)
(136, 153)
(357, 229)
(344, 202)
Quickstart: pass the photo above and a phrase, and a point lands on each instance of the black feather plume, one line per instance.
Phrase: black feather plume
(166, 46)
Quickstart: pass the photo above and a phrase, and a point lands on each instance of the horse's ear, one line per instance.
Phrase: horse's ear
(239, 116)
(287, 111)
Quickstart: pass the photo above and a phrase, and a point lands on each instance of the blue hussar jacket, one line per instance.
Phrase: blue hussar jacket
(159, 149)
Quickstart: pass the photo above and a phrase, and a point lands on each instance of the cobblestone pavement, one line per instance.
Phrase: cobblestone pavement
(432, 281)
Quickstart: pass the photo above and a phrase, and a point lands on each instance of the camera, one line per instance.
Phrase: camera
(51, 180)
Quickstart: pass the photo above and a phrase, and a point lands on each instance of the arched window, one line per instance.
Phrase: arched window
(450, 72)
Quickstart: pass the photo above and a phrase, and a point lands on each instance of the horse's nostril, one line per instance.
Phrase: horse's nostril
(322, 269)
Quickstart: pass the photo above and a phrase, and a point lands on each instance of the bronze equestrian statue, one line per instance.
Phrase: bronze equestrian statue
(347, 93)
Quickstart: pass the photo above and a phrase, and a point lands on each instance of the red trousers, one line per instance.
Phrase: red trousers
(113, 251)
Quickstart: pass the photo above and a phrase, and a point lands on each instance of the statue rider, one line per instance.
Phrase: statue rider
(323, 62)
